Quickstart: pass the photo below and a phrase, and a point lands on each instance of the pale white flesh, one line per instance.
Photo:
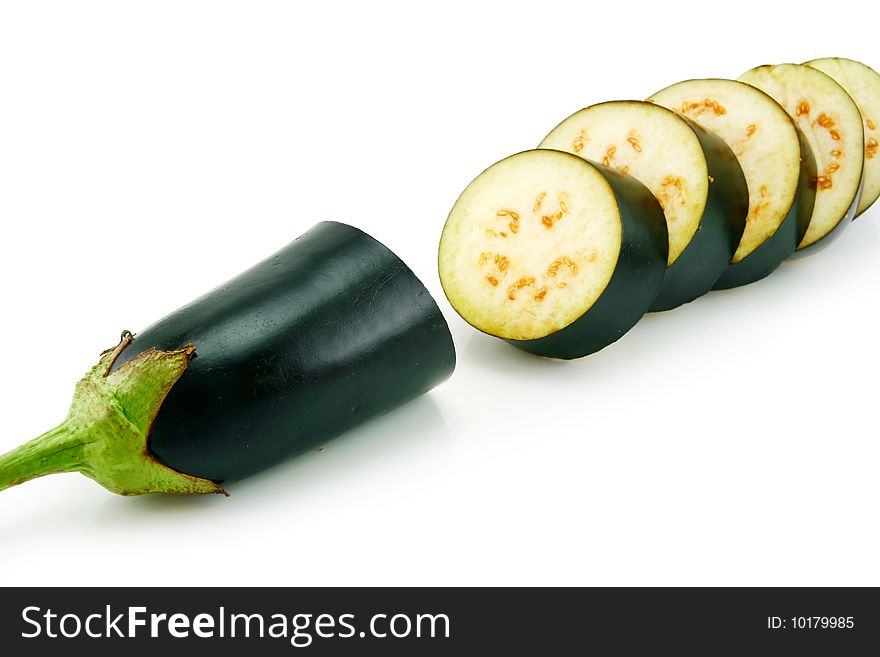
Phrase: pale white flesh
(832, 125)
(530, 245)
(760, 134)
(862, 83)
(651, 144)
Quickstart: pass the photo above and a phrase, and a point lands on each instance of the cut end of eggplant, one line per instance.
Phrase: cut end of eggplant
(832, 125)
(651, 144)
(862, 83)
(760, 134)
(530, 245)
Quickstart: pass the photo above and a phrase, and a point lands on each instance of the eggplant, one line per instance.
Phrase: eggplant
(862, 83)
(555, 255)
(777, 162)
(329, 332)
(692, 173)
(832, 125)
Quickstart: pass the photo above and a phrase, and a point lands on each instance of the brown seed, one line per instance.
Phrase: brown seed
(831, 168)
(538, 201)
(503, 264)
(549, 220)
(579, 142)
(822, 182)
(834, 135)
(750, 129)
(871, 148)
(825, 121)
(501, 213)
(803, 108)
(870, 124)
(609, 155)
(553, 269)
(836, 153)
(634, 142)
(763, 191)
(492, 280)
(540, 294)
(484, 257)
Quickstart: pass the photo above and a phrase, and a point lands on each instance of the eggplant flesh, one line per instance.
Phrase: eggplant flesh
(329, 332)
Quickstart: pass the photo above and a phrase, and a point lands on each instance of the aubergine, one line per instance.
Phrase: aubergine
(692, 173)
(329, 332)
(862, 83)
(832, 125)
(555, 255)
(775, 158)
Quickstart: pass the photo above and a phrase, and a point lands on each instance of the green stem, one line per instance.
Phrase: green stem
(106, 433)
(58, 450)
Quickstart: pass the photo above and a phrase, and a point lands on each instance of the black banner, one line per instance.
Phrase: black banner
(413, 621)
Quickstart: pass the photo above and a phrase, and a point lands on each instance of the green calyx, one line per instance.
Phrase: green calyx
(107, 428)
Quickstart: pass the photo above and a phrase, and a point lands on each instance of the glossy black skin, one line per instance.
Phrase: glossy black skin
(326, 334)
(634, 282)
(782, 244)
(721, 227)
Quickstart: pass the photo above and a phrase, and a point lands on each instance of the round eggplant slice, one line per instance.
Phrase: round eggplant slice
(862, 83)
(832, 125)
(692, 173)
(557, 256)
(775, 158)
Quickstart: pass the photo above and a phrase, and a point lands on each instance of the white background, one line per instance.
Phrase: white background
(149, 151)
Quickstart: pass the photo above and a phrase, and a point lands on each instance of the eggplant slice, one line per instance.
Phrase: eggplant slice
(832, 125)
(553, 254)
(777, 163)
(691, 172)
(862, 83)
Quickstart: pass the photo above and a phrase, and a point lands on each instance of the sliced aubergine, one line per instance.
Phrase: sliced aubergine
(832, 125)
(326, 334)
(777, 163)
(862, 83)
(691, 172)
(557, 256)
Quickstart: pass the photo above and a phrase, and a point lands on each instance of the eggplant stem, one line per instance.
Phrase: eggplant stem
(107, 429)
(56, 451)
